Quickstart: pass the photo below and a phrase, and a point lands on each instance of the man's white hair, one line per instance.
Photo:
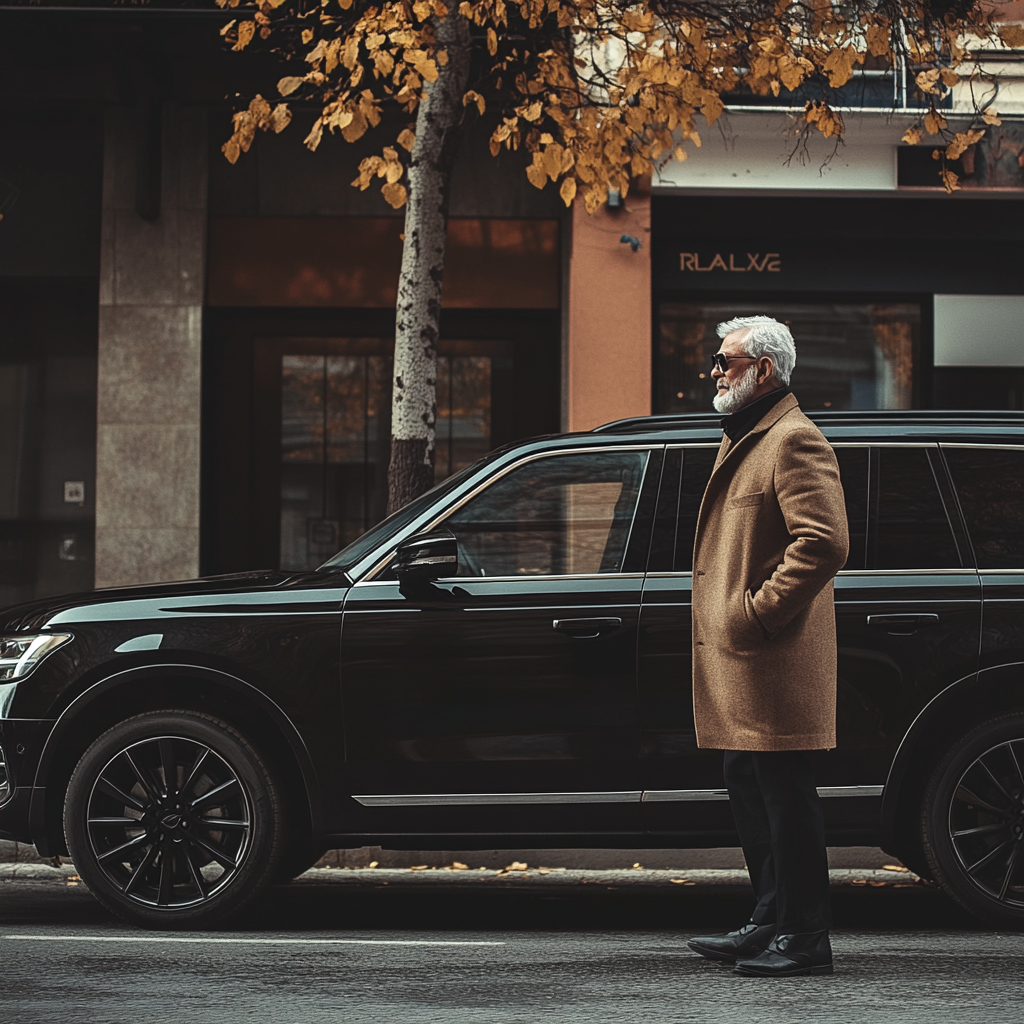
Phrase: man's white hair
(766, 337)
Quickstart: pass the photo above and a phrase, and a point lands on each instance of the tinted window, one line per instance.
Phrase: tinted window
(990, 483)
(683, 483)
(567, 514)
(853, 468)
(697, 466)
(910, 529)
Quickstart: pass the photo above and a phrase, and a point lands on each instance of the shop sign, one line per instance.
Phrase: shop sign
(752, 262)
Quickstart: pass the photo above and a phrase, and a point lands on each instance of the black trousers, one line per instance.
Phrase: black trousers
(782, 832)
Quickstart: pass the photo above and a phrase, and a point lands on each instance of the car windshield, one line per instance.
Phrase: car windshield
(361, 546)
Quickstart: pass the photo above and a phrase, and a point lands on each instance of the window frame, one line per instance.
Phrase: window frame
(434, 519)
(969, 539)
(947, 498)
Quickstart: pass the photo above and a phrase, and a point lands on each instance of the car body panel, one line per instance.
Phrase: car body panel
(467, 691)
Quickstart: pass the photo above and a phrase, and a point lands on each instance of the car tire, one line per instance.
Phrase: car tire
(174, 820)
(972, 821)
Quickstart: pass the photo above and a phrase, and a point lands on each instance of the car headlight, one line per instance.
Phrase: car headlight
(20, 654)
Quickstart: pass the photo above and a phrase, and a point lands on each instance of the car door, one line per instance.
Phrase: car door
(907, 619)
(908, 613)
(503, 699)
(683, 787)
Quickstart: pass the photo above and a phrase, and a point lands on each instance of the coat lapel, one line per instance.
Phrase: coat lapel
(727, 457)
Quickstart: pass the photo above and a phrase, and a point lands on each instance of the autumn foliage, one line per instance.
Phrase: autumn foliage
(599, 92)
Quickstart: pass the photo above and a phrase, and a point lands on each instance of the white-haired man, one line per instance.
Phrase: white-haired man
(771, 535)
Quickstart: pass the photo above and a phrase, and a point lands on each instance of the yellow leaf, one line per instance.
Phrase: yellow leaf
(394, 195)
(279, 118)
(231, 150)
(536, 174)
(552, 159)
(406, 138)
(934, 122)
(344, 4)
(287, 85)
(878, 40)
(912, 136)
(1012, 35)
(312, 140)
(961, 141)
(245, 33)
(991, 116)
(949, 180)
(441, 57)
(229, 26)
(927, 81)
(949, 77)
(307, 35)
(568, 191)
(356, 128)
(492, 42)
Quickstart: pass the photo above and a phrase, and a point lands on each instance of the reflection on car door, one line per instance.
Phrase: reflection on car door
(503, 700)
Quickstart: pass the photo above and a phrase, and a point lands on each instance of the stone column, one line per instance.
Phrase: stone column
(150, 332)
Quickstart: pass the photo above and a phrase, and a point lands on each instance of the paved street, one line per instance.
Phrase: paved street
(405, 946)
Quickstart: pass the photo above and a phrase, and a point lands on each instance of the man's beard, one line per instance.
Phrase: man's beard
(738, 394)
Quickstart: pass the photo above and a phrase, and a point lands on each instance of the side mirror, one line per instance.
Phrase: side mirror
(427, 556)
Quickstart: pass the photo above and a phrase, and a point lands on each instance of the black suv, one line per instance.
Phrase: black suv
(506, 662)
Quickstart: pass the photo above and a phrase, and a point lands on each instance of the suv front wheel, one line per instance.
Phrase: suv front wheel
(173, 820)
(973, 821)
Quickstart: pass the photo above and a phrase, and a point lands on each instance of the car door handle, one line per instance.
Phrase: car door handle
(903, 623)
(584, 629)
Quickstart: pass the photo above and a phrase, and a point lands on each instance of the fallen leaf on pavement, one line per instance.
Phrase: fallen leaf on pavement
(894, 867)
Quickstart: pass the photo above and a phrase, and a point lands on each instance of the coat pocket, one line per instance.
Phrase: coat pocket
(745, 500)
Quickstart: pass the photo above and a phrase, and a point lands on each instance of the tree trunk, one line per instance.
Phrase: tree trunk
(418, 313)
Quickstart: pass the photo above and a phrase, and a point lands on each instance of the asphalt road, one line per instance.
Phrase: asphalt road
(595, 947)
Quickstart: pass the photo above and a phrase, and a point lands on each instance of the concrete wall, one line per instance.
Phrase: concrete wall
(608, 364)
(150, 319)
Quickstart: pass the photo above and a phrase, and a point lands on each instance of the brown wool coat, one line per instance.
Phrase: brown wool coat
(771, 535)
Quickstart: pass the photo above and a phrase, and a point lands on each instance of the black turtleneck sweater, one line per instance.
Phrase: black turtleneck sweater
(741, 422)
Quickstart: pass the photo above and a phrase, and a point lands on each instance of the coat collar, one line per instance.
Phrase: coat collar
(770, 418)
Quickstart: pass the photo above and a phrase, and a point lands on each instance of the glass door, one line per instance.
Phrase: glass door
(335, 432)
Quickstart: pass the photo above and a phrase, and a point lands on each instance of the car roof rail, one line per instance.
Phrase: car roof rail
(831, 417)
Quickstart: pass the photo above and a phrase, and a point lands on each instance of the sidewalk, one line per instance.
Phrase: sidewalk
(516, 874)
(721, 858)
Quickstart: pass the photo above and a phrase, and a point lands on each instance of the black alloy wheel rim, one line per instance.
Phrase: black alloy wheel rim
(169, 822)
(986, 823)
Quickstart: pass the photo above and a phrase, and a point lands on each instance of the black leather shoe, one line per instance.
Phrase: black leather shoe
(790, 955)
(746, 942)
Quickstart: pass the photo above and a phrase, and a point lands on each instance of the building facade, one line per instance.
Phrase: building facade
(195, 356)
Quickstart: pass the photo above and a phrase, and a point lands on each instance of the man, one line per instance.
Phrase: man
(771, 536)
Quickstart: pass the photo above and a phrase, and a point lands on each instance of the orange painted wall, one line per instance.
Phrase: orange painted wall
(609, 350)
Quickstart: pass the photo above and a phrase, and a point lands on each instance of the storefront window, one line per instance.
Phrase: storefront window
(849, 356)
(335, 442)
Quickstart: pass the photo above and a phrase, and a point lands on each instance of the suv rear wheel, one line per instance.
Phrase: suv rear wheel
(173, 820)
(973, 821)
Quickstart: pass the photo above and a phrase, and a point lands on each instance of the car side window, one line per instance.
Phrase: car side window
(853, 470)
(909, 528)
(683, 483)
(990, 484)
(554, 516)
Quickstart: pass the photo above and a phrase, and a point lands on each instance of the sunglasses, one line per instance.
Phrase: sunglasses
(720, 361)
